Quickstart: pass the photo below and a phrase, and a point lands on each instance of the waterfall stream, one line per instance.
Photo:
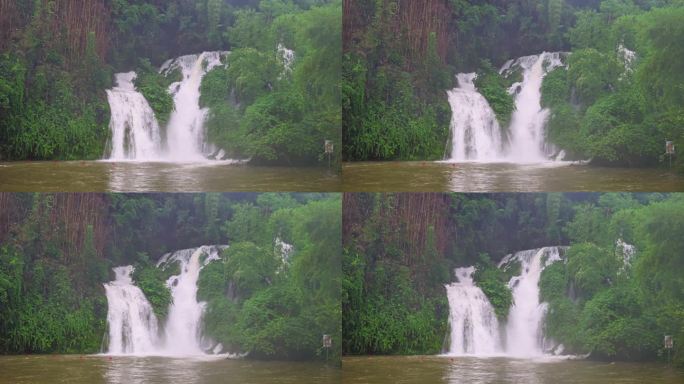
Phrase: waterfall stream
(134, 127)
(524, 329)
(476, 134)
(132, 324)
(185, 131)
(473, 323)
(133, 327)
(474, 327)
(475, 130)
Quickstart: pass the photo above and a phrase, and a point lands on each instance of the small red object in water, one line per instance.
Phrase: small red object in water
(110, 358)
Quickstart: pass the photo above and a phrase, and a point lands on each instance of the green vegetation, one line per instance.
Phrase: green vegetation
(56, 251)
(494, 88)
(271, 305)
(615, 110)
(154, 87)
(494, 284)
(57, 58)
(400, 249)
(602, 107)
(619, 310)
(151, 281)
(270, 110)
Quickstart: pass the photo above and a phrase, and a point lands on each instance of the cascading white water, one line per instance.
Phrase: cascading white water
(183, 325)
(185, 131)
(134, 128)
(287, 56)
(474, 329)
(625, 252)
(133, 327)
(476, 134)
(528, 122)
(524, 329)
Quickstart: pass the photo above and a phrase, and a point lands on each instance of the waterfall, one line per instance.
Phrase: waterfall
(474, 329)
(134, 128)
(528, 122)
(476, 134)
(183, 326)
(287, 57)
(185, 131)
(133, 327)
(524, 329)
(625, 252)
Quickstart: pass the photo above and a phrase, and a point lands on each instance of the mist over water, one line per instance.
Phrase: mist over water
(474, 327)
(136, 134)
(473, 323)
(134, 128)
(475, 132)
(133, 327)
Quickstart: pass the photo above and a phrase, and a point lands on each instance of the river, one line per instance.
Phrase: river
(421, 176)
(93, 369)
(473, 370)
(210, 176)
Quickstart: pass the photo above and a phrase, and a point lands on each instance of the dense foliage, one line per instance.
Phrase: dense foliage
(399, 60)
(609, 302)
(57, 58)
(604, 299)
(400, 250)
(57, 250)
(270, 106)
(267, 301)
(620, 98)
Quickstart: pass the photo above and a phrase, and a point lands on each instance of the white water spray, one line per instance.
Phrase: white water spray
(524, 330)
(185, 132)
(474, 329)
(528, 122)
(476, 134)
(183, 327)
(133, 328)
(135, 131)
(287, 57)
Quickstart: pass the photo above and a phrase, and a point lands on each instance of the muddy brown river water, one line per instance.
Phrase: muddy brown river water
(95, 369)
(500, 370)
(425, 176)
(104, 176)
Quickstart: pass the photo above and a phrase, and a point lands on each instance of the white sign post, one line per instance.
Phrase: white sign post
(669, 150)
(668, 342)
(329, 149)
(327, 344)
